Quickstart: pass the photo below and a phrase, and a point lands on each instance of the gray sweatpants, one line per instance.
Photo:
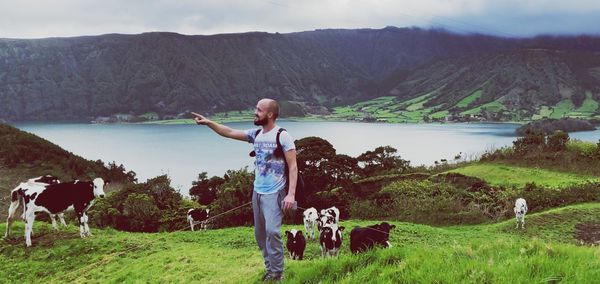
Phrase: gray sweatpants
(268, 217)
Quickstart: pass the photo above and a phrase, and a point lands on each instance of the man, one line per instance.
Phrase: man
(269, 197)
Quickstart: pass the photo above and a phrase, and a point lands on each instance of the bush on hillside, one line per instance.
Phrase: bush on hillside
(146, 207)
(234, 192)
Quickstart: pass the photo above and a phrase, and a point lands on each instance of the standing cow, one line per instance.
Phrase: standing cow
(310, 220)
(296, 243)
(331, 240)
(198, 216)
(56, 198)
(332, 212)
(520, 211)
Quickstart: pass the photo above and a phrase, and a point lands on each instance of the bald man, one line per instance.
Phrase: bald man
(269, 197)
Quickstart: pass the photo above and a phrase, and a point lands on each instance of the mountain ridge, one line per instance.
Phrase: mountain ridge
(82, 78)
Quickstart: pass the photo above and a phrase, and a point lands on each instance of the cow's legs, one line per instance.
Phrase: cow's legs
(523, 223)
(61, 216)
(192, 225)
(53, 218)
(30, 215)
(81, 227)
(85, 225)
(12, 209)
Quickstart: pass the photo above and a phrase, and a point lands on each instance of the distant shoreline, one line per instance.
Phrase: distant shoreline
(314, 119)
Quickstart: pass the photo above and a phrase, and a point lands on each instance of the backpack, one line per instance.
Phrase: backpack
(279, 153)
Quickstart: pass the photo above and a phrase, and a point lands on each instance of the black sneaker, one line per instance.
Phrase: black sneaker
(266, 277)
(275, 277)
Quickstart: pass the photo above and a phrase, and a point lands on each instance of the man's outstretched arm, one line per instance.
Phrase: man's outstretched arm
(220, 129)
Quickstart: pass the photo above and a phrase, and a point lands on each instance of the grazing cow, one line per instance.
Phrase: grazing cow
(296, 243)
(333, 212)
(198, 216)
(56, 198)
(17, 199)
(331, 240)
(310, 220)
(364, 238)
(520, 211)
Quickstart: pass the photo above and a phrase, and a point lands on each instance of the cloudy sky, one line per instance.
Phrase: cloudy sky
(63, 18)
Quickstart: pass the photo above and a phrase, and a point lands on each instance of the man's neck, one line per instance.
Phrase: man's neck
(268, 127)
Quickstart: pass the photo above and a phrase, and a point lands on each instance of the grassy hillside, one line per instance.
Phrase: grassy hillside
(545, 251)
(508, 175)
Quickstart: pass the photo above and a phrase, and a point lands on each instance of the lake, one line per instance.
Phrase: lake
(183, 151)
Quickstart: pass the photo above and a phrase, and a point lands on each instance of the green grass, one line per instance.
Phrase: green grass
(500, 174)
(562, 108)
(545, 112)
(587, 108)
(495, 253)
(468, 100)
(495, 106)
(440, 114)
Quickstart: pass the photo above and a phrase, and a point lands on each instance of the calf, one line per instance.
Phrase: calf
(331, 240)
(310, 220)
(296, 243)
(333, 212)
(56, 198)
(324, 221)
(17, 199)
(364, 238)
(520, 211)
(195, 216)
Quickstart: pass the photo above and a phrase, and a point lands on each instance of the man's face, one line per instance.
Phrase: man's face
(261, 114)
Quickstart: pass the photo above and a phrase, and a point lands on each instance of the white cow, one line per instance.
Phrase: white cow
(520, 211)
(310, 220)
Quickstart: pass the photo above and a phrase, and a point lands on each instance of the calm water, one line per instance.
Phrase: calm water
(183, 151)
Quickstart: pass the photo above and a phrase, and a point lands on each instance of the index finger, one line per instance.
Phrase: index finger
(196, 114)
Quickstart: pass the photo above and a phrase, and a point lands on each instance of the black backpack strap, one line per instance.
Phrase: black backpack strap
(279, 147)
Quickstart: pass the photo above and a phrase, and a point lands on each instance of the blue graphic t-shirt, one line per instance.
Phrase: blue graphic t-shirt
(270, 170)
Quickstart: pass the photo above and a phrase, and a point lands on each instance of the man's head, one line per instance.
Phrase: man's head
(266, 110)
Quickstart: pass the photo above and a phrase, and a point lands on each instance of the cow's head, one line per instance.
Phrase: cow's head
(294, 236)
(324, 221)
(98, 184)
(521, 207)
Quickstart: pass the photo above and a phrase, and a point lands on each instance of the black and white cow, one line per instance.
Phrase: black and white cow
(331, 240)
(198, 216)
(56, 198)
(364, 238)
(333, 212)
(296, 243)
(520, 211)
(17, 199)
(310, 220)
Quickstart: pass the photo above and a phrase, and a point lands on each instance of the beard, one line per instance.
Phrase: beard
(260, 122)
